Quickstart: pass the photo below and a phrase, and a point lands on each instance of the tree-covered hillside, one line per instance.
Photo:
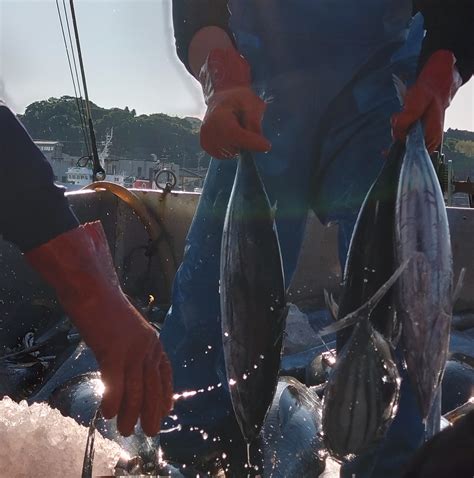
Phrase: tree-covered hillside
(459, 147)
(174, 139)
(135, 137)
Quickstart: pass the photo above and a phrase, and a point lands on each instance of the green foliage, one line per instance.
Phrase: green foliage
(465, 147)
(459, 147)
(136, 137)
(170, 138)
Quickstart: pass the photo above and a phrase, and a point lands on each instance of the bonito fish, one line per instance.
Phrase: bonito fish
(292, 442)
(361, 395)
(252, 292)
(425, 287)
(362, 392)
(371, 258)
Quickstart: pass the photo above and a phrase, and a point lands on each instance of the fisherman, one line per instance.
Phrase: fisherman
(75, 260)
(308, 86)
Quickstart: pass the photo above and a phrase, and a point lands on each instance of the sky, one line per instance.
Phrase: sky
(129, 56)
(128, 50)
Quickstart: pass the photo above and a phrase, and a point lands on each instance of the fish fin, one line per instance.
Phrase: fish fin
(400, 87)
(343, 323)
(273, 210)
(331, 304)
(459, 285)
(365, 309)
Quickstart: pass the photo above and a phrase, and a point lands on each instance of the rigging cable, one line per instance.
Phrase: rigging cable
(74, 62)
(78, 102)
(98, 171)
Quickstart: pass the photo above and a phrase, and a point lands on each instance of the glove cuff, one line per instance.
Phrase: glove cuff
(78, 265)
(223, 70)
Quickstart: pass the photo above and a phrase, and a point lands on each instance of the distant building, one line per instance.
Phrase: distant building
(60, 161)
(138, 168)
(51, 149)
(142, 172)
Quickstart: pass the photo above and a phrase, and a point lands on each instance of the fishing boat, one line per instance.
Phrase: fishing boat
(146, 230)
(82, 176)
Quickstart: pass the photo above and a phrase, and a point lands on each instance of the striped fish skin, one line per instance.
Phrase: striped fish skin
(425, 288)
(362, 393)
(252, 294)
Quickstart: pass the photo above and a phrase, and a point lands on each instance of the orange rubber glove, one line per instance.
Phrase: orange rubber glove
(428, 99)
(135, 370)
(234, 112)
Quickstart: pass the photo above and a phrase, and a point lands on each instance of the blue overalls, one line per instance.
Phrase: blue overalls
(325, 66)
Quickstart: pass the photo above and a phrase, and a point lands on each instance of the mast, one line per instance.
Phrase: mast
(98, 172)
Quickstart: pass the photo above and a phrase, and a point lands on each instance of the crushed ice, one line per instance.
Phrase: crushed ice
(38, 441)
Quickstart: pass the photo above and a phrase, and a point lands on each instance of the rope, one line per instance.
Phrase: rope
(81, 101)
(78, 102)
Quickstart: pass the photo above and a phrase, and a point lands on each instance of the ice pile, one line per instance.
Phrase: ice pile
(37, 441)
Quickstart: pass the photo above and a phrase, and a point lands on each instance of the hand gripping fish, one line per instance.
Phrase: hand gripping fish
(252, 295)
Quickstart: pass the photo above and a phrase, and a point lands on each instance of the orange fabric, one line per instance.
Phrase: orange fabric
(234, 112)
(135, 370)
(428, 99)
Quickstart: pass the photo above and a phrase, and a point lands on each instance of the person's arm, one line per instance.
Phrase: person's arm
(446, 62)
(33, 209)
(449, 25)
(191, 16)
(75, 260)
(206, 47)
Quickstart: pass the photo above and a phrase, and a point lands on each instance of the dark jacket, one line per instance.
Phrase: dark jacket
(33, 209)
(449, 25)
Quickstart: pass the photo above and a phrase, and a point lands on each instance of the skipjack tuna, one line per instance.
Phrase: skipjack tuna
(425, 287)
(361, 396)
(252, 293)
